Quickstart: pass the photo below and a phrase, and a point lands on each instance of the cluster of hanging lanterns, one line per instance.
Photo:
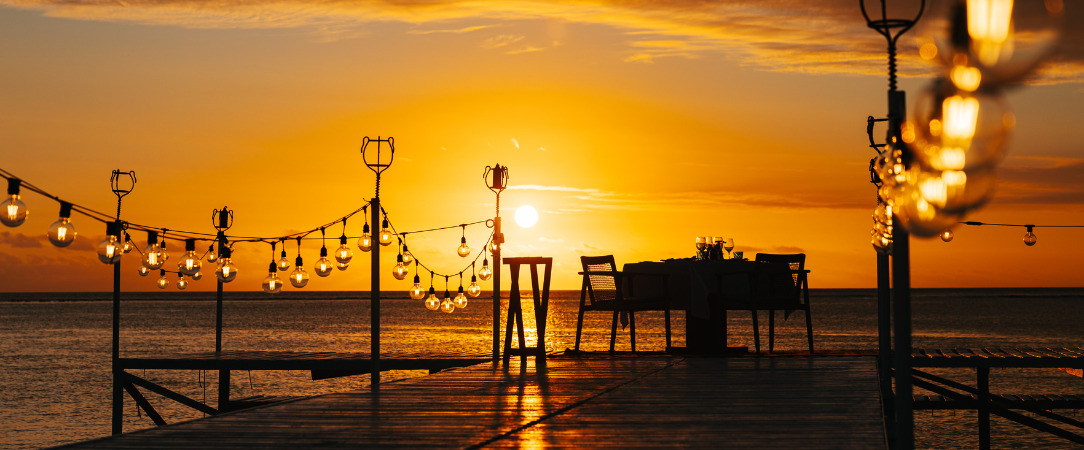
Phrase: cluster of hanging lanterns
(960, 126)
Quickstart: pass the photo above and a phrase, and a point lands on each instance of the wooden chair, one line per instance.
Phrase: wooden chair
(603, 290)
(782, 283)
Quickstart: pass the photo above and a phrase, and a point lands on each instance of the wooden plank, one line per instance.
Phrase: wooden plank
(806, 402)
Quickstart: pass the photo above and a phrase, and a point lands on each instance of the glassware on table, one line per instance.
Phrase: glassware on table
(717, 247)
(728, 245)
(701, 244)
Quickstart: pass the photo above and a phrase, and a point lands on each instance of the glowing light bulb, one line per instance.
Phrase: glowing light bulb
(416, 291)
(226, 271)
(13, 210)
(385, 234)
(464, 249)
(299, 277)
(163, 255)
(365, 242)
(446, 305)
(460, 300)
(284, 262)
(272, 284)
(324, 266)
(494, 247)
(484, 273)
(407, 256)
(343, 254)
(211, 255)
(62, 232)
(190, 261)
(474, 290)
(109, 250)
(432, 303)
(197, 276)
(1029, 237)
(152, 256)
(400, 271)
(181, 282)
(947, 236)
(143, 271)
(162, 282)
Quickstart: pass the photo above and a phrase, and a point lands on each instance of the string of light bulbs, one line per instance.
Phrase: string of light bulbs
(13, 212)
(1030, 238)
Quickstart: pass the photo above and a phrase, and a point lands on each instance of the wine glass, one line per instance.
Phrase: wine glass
(717, 246)
(701, 244)
(728, 245)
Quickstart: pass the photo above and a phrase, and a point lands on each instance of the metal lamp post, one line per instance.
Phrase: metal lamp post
(121, 188)
(497, 181)
(378, 167)
(892, 29)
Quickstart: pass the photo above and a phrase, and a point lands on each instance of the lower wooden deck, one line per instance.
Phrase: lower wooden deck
(588, 401)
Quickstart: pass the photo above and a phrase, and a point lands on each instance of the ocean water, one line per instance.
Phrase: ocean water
(55, 348)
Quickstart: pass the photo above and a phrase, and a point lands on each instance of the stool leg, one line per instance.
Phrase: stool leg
(667, 315)
(632, 329)
(771, 330)
(613, 332)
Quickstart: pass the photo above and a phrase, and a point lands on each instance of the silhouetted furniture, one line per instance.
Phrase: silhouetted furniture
(541, 300)
(781, 282)
(603, 290)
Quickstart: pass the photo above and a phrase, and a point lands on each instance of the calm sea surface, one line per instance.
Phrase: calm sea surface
(55, 348)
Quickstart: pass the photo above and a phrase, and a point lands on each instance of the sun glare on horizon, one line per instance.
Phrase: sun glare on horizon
(526, 216)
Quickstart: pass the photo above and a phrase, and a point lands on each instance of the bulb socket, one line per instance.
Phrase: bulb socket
(65, 210)
(189, 245)
(365, 229)
(152, 237)
(342, 239)
(297, 261)
(323, 252)
(13, 186)
(112, 229)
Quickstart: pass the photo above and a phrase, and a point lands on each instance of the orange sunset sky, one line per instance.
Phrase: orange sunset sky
(631, 126)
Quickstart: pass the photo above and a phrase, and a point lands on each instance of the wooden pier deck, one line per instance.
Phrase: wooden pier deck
(574, 401)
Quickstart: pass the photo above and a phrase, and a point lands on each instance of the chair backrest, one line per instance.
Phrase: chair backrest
(600, 288)
(776, 289)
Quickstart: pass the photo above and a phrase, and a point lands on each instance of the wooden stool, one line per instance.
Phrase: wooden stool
(515, 309)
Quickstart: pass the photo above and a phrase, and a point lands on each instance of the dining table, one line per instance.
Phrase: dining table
(705, 289)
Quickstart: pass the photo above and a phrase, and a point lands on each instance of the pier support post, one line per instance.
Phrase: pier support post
(884, 324)
(983, 400)
(223, 374)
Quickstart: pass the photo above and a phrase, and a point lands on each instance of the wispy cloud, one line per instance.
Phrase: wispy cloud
(452, 31)
(778, 35)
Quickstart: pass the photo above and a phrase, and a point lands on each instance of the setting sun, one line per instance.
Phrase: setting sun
(526, 216)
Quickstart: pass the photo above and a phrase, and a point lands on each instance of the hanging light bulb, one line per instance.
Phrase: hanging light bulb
(284, 262)
(416, 291)
(62, 232)
(385, 233)
(211, 255)
(163, 255)
(272, 284)
(407, 256)
(446, 305)
(143, 271)
(474, 290)
(947, 236)
(460, 300)
(432, 303)
(226, 271)
(110, 250)
(400, 271)
(152, 256)
(343, 254)
(324, 266)
(190, 261)
(128, 244)
(181, 282)
(162, 282)
(1029, 237)
(464, 249)
(485, 273)
(365, 242)
(197, 276)
(13, 210)
(299, 277)
(494, 247)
